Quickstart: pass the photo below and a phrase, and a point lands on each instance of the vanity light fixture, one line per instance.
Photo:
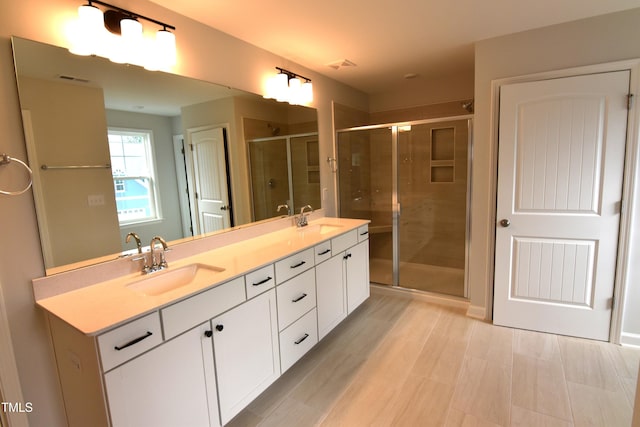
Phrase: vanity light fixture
(117, 34)
(287, 86)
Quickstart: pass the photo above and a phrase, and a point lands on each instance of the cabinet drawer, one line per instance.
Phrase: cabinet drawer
(363, 233)
(259, 281)
(186, 314)
(294, 265)
(344, 241)
(322, 251)
(127, 341)
(296, 297)
(298, 339)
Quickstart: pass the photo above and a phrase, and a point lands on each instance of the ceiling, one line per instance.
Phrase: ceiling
(386, 40)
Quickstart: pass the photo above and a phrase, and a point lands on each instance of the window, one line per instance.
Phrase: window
(133, 177)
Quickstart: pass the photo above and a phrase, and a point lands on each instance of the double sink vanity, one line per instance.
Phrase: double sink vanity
(195, 343)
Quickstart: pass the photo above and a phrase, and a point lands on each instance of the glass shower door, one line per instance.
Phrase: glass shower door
(411, 182)
(365, 191)
(432, 192)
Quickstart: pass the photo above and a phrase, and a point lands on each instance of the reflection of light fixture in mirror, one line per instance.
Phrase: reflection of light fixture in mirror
(118, 34)
(287, 86)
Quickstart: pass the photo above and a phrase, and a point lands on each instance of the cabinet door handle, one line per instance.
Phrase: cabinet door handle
(347, 256)
(219, 328)
(325, 252)
(134, 341)
(262, 282)
(364, 233)
(300, 264)
(208, 334)
(301, 339)
(299, 298)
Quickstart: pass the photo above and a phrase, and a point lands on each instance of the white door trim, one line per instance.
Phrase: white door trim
(632, 163)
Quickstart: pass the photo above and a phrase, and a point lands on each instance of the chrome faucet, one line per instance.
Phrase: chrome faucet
(285, 206)
(155, 266)
(301, 221)
(137, 239)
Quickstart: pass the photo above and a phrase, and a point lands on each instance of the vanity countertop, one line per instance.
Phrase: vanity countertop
(96, 308)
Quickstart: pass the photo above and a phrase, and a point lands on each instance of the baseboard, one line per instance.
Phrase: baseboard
(477, 312)
(631, 340)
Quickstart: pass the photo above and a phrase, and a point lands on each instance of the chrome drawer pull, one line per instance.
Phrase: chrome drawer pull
(262, 282)
(301, 339)
(300, 264)
(134, 341)
(299, 298)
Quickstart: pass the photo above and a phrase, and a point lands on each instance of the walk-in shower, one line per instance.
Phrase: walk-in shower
(411, 180)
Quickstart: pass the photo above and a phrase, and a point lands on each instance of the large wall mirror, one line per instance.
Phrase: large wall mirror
(118, 149)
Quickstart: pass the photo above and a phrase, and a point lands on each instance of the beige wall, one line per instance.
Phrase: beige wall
(591, 41)
(201, 50)
(420, 91)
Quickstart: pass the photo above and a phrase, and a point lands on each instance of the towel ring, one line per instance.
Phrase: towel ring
(5, 159)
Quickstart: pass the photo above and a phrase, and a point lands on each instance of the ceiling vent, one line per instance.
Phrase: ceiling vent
(341, 63)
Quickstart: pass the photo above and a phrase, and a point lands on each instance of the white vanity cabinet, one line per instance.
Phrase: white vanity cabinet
(246, 352)
(201, 359)
(342, 282)
(331, 294)
(172, 385)
(357, 275)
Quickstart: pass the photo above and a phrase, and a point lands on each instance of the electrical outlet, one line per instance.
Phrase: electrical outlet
(96, 200)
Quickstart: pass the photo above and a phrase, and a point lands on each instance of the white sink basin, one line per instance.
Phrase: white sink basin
(319, 228)
(167, 280)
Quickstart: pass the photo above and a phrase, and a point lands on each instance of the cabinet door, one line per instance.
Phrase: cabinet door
(246, 352)
(357, 264)
(331, 296)
(171, 385)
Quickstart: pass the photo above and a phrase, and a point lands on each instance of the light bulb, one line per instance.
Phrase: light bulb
(282, 87)
(132, 41)
(295, 88)
(307, 93)
(165, 49)
(88, 33)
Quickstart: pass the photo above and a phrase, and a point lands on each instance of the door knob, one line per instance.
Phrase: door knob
(224, 208)
(505, 222)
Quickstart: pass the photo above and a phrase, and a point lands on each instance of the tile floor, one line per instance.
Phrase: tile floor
(406, 362)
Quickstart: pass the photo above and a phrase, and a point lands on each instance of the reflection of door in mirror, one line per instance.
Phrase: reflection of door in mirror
(66, 129)
(207, 173)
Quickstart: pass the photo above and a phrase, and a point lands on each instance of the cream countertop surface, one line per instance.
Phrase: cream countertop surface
(96, 308)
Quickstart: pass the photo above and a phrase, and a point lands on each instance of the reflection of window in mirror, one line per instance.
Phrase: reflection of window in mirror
(133, 177)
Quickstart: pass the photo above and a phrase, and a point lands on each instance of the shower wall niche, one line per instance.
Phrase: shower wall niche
(411, 182)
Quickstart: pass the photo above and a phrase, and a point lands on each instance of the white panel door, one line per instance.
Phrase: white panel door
(560, 169)
(209, 165)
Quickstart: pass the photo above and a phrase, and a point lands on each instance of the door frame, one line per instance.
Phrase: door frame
(629, 188)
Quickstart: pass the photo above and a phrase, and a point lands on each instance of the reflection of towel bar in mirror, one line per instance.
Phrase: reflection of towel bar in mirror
(47, 167)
